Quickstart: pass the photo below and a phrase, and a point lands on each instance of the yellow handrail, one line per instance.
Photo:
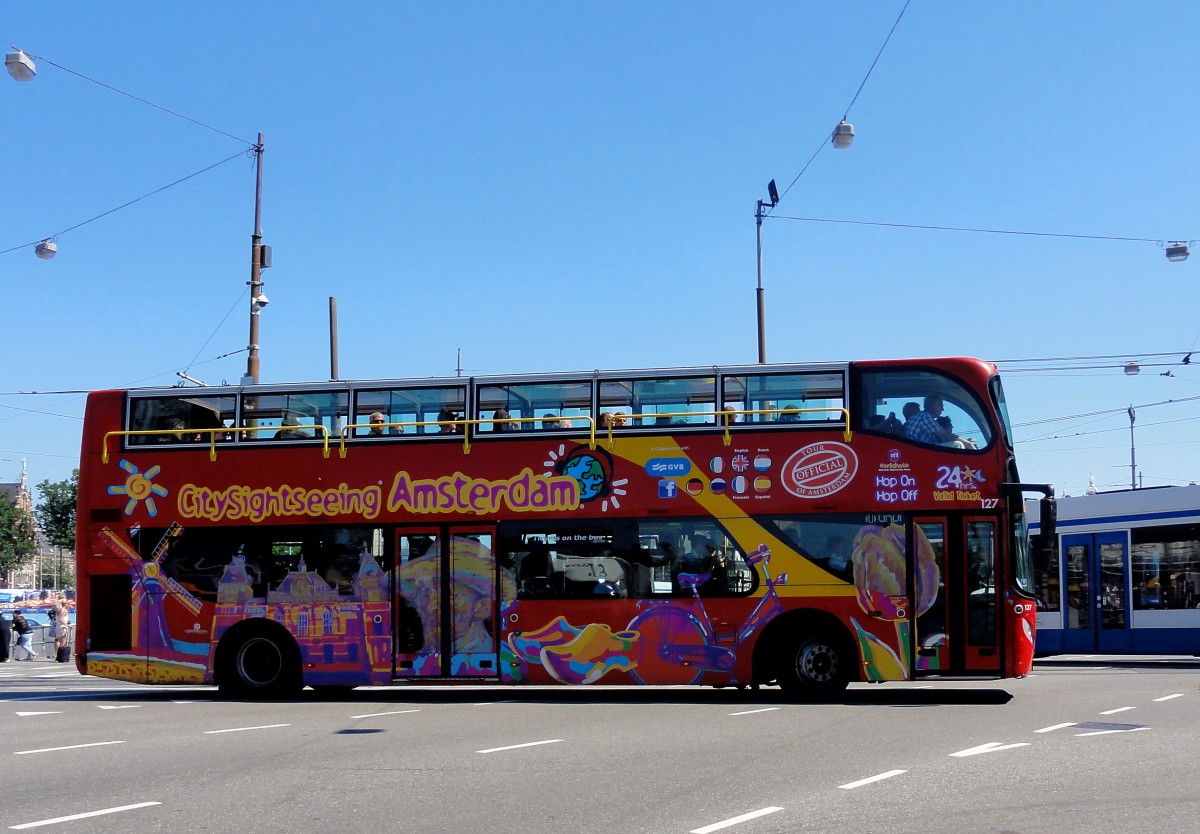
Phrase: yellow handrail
(464, 425)
(728, 418)
(212, 436)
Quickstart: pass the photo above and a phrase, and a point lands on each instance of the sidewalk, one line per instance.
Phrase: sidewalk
(1129, 661)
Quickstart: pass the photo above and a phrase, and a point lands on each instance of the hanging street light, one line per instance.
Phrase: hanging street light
(20, 66)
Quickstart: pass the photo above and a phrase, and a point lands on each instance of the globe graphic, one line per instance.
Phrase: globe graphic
(589, 473)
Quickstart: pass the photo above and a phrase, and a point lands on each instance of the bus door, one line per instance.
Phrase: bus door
(446, 602)
(957, 631)
(1097, 600)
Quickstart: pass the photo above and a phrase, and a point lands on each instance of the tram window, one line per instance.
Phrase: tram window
(408, 407)
(1166, 567)
(181, 419)
(1045, 575)
(786, 398)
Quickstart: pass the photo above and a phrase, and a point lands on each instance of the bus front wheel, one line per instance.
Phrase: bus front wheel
(260, 664)
(814, 666)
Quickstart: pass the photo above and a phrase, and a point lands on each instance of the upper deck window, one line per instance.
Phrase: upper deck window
(923, 407)
(785, 398)
(411, 407)
(294, 415)
(535, 406)
(662, 401)
(181, 419)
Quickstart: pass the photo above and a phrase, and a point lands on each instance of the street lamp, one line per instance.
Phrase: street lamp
(20, 66)
(1177, 251)
(843, 136)
(773, 195)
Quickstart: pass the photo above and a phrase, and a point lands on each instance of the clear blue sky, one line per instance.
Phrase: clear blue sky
(555, 187)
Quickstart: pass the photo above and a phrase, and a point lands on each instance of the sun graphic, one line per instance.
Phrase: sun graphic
(137, 486)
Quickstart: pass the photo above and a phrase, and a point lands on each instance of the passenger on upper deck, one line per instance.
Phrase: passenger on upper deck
(551, 421)
(289, 429)
(923, 426)
(176, 428)
(620, 420)
(606, 420)
(503, 421)
(377, 429)
(445, 416)
(957, 442)
(791, 414)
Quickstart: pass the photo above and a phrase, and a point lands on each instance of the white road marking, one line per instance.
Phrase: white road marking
(122, 706)
(1054, 727)
(754, 711)
(377, 714)
(517, 746)
(1118, 709)
(990, 747)
(69, 747)
(83, 816)
(51, 712)
(1108, 732)
(1169, 697)
(717, 826)
(849, 786)
(243, 729)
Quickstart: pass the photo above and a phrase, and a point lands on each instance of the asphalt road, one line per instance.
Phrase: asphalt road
(1068, 749)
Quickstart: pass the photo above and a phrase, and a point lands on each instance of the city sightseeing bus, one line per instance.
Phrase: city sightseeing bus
(1129, 578)
(722, 526)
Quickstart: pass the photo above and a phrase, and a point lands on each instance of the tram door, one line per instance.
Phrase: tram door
(958, 630)
(445, 604)
(1097, 599)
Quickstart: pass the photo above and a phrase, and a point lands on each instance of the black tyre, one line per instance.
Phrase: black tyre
(260, 664)
(814, 667)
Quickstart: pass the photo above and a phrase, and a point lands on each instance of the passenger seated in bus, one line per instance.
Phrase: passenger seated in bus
(791, 414)
(503, 421)
(957, 442)
(606, 420)
(445, 418)
(620, 420)
(730, 416)
(909, 411)
(176, 428)
(289, 429)
(377, 429)
(550, 421)
(923, 426)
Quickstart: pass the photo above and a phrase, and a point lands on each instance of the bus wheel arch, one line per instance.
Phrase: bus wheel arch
(258, 658)
(809, 653)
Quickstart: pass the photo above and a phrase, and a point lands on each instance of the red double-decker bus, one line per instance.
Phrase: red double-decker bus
(806, 525)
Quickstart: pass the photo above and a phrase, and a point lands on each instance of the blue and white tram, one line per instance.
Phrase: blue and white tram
(1126, 576)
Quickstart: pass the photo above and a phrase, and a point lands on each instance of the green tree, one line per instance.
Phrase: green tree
(56, 511)
(16, 536)
(56, 517)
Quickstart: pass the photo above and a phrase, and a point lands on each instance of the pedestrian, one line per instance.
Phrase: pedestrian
(61, 627)
(24, 631)
(5, 637)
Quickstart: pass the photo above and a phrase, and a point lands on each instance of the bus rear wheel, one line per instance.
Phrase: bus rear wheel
(814, 666)
(260, 664)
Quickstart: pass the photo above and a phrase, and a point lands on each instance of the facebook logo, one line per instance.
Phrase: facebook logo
(668, 489)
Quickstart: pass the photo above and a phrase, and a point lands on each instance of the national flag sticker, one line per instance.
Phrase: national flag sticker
(717, 465)
(717, 486)
(762, 463)
(741, 462)
(695, 486)
(762, 484)
(739, 484)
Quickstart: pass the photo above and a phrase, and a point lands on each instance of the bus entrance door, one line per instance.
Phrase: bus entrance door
(1097, 596)
(446, 602)
(958, 632)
